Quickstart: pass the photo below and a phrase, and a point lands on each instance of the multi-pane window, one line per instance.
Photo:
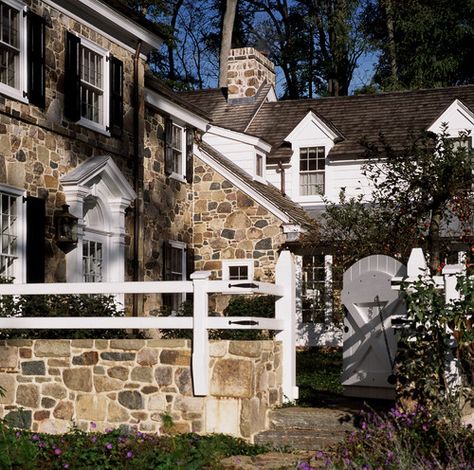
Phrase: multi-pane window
(312, 164)
(9, 45)
(174, 270)
(237, 270)
(92, 261)
(8, 209)
(92, 85)
(314, 296)
(177, 146)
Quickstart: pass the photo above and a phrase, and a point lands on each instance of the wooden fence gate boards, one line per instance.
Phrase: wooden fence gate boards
(369, 344)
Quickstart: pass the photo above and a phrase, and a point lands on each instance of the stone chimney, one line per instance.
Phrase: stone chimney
(247, 70)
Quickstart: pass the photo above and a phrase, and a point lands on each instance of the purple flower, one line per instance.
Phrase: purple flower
(35, 437)
(319, 454)
(57, 451)
(109, 446)
(108, 430)
(129, 454)
(93, 439)
(18, 434)
(93, 425)
(424, 427)
(365, 467)
(66, 465)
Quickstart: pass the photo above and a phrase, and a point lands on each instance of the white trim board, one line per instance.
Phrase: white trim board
(119, 27)
(159, 102)
(259, 143)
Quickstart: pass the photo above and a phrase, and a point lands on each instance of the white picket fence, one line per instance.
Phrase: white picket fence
(417, 267)
(200, 286)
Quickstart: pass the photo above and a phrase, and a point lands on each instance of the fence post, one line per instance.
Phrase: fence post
(285, 309)
(417, 265)
(200, 357)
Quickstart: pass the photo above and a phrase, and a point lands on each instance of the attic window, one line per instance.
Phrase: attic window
(312, 168)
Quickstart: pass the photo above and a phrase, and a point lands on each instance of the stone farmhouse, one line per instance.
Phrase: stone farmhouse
(163, 184)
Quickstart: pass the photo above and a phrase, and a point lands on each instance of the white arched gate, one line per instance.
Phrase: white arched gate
(369, 341)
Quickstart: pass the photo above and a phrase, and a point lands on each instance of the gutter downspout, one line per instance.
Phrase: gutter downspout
(137, 303)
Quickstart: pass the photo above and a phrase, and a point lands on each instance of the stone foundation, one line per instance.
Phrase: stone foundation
(51, 384)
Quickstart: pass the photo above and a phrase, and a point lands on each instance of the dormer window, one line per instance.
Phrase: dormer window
(312, 169)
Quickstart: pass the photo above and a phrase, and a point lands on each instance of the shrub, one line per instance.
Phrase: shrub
(119, 449)
(61, 306)
(417, 440)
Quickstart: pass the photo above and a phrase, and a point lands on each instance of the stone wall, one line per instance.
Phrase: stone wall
(39, 146)
(247, 69)
(51, 384)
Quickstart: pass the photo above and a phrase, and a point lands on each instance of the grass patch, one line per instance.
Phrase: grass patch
(318, 375)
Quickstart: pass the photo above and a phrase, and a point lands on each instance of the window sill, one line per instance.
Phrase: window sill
(93, 126)
(178, 177)
(13, 93)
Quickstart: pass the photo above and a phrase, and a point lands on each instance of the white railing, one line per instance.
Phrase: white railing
(200, 286)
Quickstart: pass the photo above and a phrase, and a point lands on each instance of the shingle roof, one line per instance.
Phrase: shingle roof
(231, 116)
(154, 83)
(398, 115)
(269, 192)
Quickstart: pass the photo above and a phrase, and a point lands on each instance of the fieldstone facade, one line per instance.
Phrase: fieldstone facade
(247, 69)
(51, 384)
(228, 224)
(39, 146)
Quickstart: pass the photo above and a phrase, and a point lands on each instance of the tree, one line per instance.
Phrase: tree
(226, 40)
(423, 43)
(422, 195)
(427, 186)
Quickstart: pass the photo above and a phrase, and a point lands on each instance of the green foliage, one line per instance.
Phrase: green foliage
(117, 449)
(433, 42)
(239, 306)
(60, 306)
(426, 341)
(415, 440)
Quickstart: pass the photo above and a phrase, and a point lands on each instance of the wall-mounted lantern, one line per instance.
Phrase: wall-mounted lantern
(66, 229)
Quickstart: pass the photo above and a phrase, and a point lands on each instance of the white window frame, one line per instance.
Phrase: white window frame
(309, 172)
(181, 297)
(104, 112)
(97, 236)
(19, 265)
(260, 158)
(175, 175)
(228, 263)
(18, 92)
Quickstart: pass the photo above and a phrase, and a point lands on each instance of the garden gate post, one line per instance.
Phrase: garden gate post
(200, 357)
(285, 310)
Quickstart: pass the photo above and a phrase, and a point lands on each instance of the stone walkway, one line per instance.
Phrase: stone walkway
(304, 431)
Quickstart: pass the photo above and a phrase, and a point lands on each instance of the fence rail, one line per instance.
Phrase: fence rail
(200, 286)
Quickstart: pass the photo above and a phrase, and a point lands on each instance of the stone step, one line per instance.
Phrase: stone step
(271, 461)
(313, 418)
(300, 439)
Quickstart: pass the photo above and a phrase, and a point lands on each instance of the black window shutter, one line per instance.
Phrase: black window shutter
(167, 299)
(189, 154)
(116, 97)
(72, 78)
(189, 270)
(36, 57)
(168, 147)
(35, 239)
